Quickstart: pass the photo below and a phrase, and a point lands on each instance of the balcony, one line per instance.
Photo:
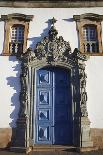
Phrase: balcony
(91, 47)
(15, 48)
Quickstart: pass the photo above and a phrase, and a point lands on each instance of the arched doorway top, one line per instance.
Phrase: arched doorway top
(53, 51)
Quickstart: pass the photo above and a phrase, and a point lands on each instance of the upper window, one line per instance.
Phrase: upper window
(16, 33)
(90, 39)
(16, 39)
(90, 33)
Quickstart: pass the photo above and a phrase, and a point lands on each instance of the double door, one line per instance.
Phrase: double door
(53, 123)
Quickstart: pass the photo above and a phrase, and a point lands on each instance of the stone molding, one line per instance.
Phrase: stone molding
(17, 16)
(52, 51)
(52, 4)
(90, 16)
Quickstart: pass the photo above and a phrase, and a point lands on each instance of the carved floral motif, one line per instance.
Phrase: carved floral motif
(23, 94)
(83, 92)
(51, 48)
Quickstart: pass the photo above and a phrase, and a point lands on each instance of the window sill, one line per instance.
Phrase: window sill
(93, 54)
(10, 54)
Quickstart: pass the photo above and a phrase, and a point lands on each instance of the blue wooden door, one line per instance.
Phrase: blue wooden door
(53, 107)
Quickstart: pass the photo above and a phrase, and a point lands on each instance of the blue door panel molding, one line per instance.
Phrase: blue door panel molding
(43, 107)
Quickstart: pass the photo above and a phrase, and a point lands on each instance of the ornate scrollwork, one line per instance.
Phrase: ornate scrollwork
(23, 94)
(51, 48)
(53, 51)
(83, 92)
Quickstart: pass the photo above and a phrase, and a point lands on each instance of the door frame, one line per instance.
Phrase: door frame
(25, 122)
(52, 52)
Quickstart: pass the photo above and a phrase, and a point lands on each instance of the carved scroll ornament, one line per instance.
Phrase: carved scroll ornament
(50, 50)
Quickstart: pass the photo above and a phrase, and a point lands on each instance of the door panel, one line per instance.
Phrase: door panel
(62, 108)
(44, 99)
(53, 106)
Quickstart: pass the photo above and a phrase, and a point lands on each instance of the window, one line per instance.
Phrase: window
(90, 33)
(16, 39)
(90, 39)
(16, 33)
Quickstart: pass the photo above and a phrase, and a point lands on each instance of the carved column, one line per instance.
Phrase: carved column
(20, 140)
(85, 138)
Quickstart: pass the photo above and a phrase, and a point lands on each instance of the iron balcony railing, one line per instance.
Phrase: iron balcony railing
(91, 47)
(15, 47)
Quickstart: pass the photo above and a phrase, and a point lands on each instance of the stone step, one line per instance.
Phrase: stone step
(53, 148)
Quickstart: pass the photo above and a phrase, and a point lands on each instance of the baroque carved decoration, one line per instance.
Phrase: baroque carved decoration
(23, 94)
(52, 50)
(83, 92)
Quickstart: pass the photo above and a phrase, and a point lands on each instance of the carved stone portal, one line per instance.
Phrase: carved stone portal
(53, 51)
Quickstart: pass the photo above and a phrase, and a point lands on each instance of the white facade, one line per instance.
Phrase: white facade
(39, 27)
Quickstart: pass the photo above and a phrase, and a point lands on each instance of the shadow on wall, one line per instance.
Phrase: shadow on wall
(35, 40)
(14, 82)
(70, 20)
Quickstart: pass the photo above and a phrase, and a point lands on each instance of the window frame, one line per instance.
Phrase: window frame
(86, 30)
(91, 20)
(15, 19)
(88, 41)
(15, 29)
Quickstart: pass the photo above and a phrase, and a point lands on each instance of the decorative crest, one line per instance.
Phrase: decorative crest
(53, 32)
(52, 49)
(53, 21)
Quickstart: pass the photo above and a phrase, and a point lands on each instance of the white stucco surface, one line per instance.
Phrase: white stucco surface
(95, 90)
(39, 27)
(9, 91)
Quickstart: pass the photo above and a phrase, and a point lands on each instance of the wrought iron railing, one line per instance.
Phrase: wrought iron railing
(90, 47)
(15, 47)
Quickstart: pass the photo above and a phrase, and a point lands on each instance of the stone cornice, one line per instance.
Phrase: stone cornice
(51, 4)
(90, 16)
(17, 16)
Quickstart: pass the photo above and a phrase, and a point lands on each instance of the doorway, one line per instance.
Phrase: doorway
(53, 110)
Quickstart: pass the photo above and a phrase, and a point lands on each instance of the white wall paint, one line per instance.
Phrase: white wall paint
(9, 77)
(9, 90)
(95, 90)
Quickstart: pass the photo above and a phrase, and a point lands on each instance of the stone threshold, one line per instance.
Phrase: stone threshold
(52, 148)
(59, 148)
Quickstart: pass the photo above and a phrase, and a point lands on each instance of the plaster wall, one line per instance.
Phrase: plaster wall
(10, 67)
(9, 91)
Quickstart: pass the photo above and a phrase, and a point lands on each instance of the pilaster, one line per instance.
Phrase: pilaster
(85, 136)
